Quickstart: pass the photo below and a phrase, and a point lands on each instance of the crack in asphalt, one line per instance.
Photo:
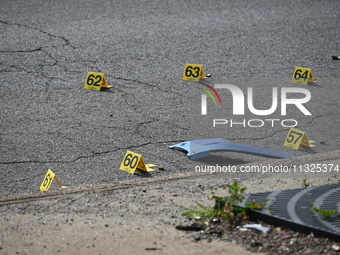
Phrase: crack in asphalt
(13, 66)
(94, 154)
(23, 180)
(134, 80)
(260, 138)
(285, 130)
(139, 125)
(56, 62)
(322, 116)
(21, 51)
(67, 42)
(148, 84)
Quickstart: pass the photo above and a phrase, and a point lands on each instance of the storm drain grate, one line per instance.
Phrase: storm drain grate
(293, 209)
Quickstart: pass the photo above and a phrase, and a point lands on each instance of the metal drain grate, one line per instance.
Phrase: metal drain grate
(293, 209)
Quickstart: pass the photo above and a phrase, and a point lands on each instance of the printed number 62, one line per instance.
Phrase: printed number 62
(91, 80)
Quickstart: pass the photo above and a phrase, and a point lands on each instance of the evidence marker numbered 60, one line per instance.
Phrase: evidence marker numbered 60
(133, 161)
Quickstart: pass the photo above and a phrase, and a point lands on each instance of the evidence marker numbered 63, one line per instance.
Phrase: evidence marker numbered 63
(193, 72)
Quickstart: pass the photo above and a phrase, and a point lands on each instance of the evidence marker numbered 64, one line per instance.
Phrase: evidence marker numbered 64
(303, 76)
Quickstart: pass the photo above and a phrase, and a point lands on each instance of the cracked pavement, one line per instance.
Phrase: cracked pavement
(48, 121)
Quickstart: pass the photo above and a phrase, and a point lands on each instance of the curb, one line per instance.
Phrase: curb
(54, 194)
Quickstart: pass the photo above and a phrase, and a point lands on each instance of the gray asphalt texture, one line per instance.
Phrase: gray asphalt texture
(48, 121)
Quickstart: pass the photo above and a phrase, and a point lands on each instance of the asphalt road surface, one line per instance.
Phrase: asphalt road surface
(49, 121)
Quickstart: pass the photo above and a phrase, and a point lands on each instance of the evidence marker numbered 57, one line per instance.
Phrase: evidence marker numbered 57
(295, 138)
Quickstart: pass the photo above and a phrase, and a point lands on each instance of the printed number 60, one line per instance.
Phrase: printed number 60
(130, 161)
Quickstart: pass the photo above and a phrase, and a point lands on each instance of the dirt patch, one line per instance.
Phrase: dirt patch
(138, 219)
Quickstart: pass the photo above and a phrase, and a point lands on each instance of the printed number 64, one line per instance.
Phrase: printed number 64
(298, 75)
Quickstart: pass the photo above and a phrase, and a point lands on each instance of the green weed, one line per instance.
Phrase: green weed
(325, 213)
(225, 208)
(306, 184)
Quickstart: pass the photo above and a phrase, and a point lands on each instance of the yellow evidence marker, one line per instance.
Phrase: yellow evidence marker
(49, 177)
(96, 81)
(295, 138)
(133, 161)
(303, 76)
(193, 72)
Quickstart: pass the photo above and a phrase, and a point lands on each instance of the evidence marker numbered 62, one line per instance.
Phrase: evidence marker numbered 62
(96, 81)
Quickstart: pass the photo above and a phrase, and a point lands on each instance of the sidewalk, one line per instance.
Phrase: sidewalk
(136, 218)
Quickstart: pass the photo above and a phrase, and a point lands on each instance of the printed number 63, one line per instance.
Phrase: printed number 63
(189, 71)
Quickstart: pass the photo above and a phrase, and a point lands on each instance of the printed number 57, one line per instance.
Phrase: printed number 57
(291, 137)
